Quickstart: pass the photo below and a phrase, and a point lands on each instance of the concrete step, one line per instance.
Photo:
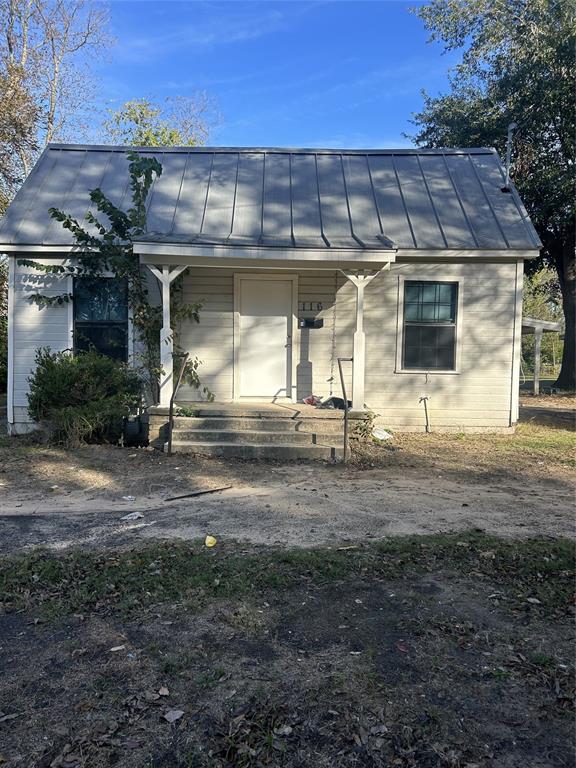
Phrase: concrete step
(273, 451)
(250, 436)
(267, 424)
(257, 410)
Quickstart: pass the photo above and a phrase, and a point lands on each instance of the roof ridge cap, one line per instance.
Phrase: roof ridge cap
(273, 150)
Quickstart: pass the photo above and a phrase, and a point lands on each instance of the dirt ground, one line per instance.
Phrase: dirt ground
(314, 634)
(510, 485)
(433, 654)
(565, 401)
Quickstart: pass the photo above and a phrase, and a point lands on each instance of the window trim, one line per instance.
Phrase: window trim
(106, 275)
(402, 279)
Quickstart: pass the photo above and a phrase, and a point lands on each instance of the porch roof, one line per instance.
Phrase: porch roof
(303, 199)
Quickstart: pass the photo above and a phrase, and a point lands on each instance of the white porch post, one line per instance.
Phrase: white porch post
(360, 280)
(165, 278)
(538, 332)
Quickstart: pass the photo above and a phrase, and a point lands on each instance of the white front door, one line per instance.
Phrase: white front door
(264, 355)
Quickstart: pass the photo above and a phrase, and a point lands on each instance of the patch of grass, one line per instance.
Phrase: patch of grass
(258, 737)
(108, 681)
(126, 583)
(530, 445)
(209, 679)
(174, 664)
(541, 443)
(542, 660)
(500, 674)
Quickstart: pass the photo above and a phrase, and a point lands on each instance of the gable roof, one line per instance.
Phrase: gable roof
(295, 198)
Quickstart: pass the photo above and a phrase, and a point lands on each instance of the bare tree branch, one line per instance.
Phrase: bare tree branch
(46, 51)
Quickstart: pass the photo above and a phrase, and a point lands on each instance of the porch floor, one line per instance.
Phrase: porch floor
(256, 410)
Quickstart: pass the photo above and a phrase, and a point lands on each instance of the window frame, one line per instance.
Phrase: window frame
(400, 326)
(72, 318)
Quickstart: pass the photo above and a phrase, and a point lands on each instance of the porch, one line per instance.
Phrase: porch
(267, 330)
(283, 431)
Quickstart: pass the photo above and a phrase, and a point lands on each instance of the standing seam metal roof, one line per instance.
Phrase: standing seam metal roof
(292, 198)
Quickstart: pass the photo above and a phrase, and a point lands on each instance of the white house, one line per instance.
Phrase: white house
(409, 261)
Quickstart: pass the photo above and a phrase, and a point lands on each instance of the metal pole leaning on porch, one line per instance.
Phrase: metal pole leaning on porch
(165, 278)
(171, 409)
(346, 409)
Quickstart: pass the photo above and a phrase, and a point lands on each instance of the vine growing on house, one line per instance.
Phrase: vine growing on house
(107, 246)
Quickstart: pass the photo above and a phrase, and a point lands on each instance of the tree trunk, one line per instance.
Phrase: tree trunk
(566, 267)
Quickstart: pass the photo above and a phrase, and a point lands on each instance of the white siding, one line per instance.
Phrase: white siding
(211, 340)
(34, 327)
(478, 396)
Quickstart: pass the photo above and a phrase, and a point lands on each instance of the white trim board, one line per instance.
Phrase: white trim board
(263, 254)
(20, 250)
(241, 263)
(10, 383)
(516, 347)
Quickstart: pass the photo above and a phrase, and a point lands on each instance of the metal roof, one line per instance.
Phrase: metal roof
(287, 198)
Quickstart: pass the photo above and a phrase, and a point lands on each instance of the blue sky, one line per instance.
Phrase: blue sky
(310, 74)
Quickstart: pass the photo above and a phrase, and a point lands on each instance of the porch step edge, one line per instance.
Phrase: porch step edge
(272, 451)
(254, 436)
(253, 412)
(233, 424)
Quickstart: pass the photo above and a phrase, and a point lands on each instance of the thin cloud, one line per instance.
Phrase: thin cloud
(202, 34)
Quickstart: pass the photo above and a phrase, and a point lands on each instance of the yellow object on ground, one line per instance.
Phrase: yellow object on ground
(210, 541)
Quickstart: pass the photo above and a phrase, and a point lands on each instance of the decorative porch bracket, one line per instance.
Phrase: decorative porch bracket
(360, 280)
(165, 278)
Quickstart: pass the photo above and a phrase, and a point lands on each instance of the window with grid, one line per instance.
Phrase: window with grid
(429, 325)
(101, 316)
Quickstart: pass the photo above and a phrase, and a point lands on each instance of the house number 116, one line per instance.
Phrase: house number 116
(311, 306)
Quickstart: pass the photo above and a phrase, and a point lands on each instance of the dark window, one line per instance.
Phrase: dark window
(101, 316)
(430, 325)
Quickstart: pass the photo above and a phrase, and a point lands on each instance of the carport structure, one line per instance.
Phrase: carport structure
(538, 328)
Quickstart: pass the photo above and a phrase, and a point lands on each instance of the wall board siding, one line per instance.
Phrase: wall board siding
(478, 395)
(33, 328)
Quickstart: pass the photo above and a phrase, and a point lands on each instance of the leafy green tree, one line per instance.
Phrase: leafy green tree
(517, 66)
(181, 121)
